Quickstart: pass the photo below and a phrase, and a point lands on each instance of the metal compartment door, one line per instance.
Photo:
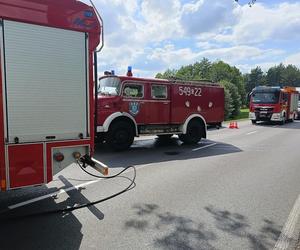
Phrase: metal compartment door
(26, 165)
(46, 82)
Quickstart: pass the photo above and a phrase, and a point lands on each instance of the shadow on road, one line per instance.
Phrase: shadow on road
(237, 225)
(55, 231)
(182, 232)
(157, 150)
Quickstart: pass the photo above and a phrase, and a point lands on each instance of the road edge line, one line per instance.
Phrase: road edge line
(288, 233)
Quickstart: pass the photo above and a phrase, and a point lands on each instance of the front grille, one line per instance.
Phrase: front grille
(263, 113)
(264, 109)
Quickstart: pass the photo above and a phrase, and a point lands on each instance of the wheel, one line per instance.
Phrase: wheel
(193, 134)
(120, 136)
(283, 121)
(293, 118)
(253, 121)
(165, 137)
(99, 138)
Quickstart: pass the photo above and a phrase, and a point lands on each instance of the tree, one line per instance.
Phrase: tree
(275, 75)
(255, 78)
(250, 3)
(223, 71)
(168, 74)
(228, 108)
(235, 96)
(291, 76)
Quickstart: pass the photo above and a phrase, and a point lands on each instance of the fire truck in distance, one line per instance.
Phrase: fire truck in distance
(130, 106)
(274, 104)
(47, 51)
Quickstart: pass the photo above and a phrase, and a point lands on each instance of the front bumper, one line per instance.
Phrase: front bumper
(265, 116)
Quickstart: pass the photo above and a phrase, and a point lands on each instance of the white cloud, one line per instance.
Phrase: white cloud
(209, 16)
(293, 59)
(261, 23)
(170, 57)
(153, 35)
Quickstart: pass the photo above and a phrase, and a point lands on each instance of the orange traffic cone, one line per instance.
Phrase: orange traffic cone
(231, 125)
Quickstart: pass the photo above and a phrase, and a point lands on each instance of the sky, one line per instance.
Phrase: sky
(155, 35)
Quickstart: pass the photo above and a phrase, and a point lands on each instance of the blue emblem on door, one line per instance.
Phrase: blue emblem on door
(134, 108)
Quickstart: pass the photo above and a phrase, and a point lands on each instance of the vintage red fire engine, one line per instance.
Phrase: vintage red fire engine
(130, 106)
(46, 88)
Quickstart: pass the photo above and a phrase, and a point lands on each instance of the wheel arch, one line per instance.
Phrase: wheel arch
(119, 116)
(196, 117)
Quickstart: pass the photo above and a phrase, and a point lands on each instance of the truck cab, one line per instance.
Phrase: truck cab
(130, 106)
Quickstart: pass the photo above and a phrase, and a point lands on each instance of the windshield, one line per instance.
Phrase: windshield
(265, 97)
(109, 86)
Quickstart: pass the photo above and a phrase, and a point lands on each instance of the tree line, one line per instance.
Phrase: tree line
(237, 86)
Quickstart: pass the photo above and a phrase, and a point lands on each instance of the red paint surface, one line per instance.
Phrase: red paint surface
(64, 14)
(26, 165)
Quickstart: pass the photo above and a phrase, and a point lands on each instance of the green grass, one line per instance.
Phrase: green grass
(244, 114)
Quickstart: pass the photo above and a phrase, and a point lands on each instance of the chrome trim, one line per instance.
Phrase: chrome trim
(3, 78)
(45, 162)
(7, 168)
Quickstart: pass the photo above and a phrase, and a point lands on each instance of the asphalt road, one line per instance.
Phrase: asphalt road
(236, 190)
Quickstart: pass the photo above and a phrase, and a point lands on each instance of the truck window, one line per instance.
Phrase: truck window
(133, 91)
(109, 86)
(159, 92)
(265, 97)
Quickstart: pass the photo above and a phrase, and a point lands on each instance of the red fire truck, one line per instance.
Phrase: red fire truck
(130, 106)
(273, 104)
(46, 88)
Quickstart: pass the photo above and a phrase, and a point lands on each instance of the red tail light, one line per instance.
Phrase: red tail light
(59, 157)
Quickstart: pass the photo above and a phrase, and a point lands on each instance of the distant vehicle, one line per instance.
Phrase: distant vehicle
(130, 106)
(273, 104)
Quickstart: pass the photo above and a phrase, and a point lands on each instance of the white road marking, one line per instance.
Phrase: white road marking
(207, 146)
(24, 203)
(253, 132)
(288, 233)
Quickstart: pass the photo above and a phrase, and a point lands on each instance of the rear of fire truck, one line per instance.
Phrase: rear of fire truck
(46, 88)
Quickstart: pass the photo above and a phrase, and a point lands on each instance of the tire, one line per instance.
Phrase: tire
(99, 138)
(193, 134)
(294, 118)
(283, 121)
(120, 136)
(253, 121)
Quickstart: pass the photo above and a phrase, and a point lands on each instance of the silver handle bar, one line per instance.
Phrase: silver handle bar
(102, 26)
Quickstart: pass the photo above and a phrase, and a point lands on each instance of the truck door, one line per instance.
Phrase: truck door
(158, 106)
(133, 95)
